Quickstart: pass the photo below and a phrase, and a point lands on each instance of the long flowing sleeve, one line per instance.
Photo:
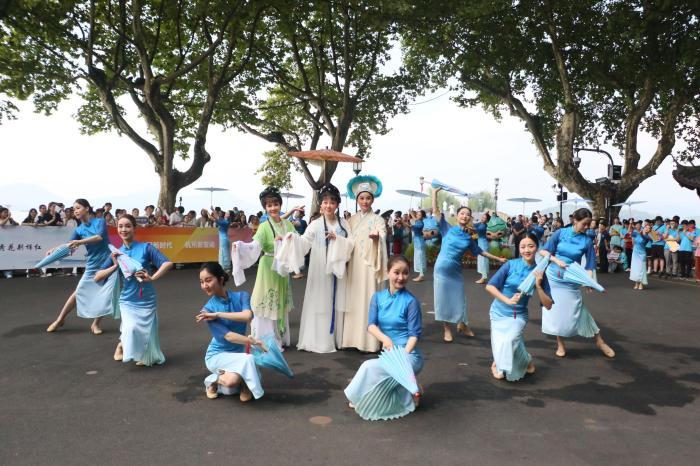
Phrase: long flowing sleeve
(289, 254)
(243, 255)
(339, 252)
(375, 254)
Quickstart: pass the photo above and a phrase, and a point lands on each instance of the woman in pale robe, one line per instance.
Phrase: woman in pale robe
(330, 241)
(367, 266)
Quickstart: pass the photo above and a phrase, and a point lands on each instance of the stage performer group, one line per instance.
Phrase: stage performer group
(356, 297)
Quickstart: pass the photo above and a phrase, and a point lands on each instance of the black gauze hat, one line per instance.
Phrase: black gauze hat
(328, 190)
(272, 192)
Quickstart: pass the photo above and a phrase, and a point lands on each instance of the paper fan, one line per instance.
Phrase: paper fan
(574, 273)
(127, 265)
(59, 253)
(397, 363)
(272, 358)
(527, 287)
(382, 402)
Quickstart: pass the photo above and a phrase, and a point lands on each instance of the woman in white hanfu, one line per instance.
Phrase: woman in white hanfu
(329, 238)
(367, 267)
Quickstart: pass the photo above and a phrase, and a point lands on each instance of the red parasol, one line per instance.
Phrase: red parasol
(325, 155)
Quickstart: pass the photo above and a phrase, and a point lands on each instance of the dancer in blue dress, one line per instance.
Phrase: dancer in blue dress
(93, 300)
(568, 316)
(482, 262)
(222, 222)
(139, 329)
(638, 268)
(509, 313)
(420, 260)
(395, 320)
(448, 283)
(228, 313)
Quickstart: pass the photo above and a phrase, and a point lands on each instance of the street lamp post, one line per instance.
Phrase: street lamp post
(495, 195)
(614, 175)
(357, 168)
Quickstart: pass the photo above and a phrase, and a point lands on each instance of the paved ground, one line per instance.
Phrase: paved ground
(63, 400)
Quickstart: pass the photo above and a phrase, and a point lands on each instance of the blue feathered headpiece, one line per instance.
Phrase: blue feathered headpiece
(364, 183)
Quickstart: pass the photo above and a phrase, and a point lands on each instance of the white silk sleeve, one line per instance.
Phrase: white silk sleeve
(243, 255)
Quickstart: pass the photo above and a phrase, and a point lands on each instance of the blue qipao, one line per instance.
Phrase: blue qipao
(137, 302)
(638, 267)
(482, 262)
(420, 260)
(222, 355)
(568, 316)
(224, 243)
(448, 284)
(508, 321)
(398, 316)
(96, 299)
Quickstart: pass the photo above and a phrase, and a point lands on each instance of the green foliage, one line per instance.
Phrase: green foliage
(277, 169)
(157, 71)
(481, 201)
(581, 73)
(327, 77)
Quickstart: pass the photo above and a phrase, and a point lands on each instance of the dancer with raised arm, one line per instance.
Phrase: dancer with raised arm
(448, 282)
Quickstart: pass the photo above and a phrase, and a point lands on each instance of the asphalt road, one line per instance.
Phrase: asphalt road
(63, 400)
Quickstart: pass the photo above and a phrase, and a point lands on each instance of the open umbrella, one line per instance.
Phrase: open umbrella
(382, 402)
(446, 187)
(576, 200)
(272, 358)
(288, 196)
(525, 200)
(629, 204)
(59, 253)
(412, 194)
(211, 190)
(398, 365)
(322, 156)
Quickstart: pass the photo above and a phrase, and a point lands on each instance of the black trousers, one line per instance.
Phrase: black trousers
(602, 259)
(685, 261)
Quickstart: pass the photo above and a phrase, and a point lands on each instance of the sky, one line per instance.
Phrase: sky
(46, 158)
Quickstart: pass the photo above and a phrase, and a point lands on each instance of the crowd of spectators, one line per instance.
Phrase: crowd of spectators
(673, 250)
(613, 243)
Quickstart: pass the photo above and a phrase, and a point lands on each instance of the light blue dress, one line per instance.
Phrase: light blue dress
(482, 263)
(448, 284)
(96, 299)
(223, 355)
(224, 244)
(638, 269)
(430, 224)
(420, 261)
(568, 316)
(508, 322)
(137, 302)
(398, 316)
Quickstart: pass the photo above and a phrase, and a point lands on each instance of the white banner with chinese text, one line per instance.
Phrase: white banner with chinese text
(21, 247)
